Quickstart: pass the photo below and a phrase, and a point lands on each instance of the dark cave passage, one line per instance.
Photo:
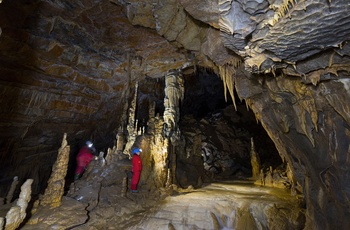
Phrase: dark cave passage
(217, 138)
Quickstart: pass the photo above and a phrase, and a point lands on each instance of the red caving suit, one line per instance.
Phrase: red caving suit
(136, 171)
(83, 159)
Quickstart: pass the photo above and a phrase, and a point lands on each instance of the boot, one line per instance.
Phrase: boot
(76, 177)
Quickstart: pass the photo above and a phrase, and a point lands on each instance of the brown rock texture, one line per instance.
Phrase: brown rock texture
(64, 68)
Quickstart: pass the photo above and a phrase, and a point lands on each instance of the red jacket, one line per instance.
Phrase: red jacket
(136, 163)
(84, 156)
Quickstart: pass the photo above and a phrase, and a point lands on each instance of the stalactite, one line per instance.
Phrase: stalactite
(131, 128)
(12, 190)
(282, 10)
(125, 102)
(151, 115)
(227, 73)
(55, 188)
(174, 93)
(17, 213)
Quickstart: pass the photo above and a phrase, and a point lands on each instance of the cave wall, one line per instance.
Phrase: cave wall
(69, 67)
(318, 152)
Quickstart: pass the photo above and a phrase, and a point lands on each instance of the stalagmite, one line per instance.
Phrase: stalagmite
(159, 152)
(124, 186)
(120, 141)
(168, 179)
(255, 160)
(12, 190)
(17, 213)
(262, 177)
(55, 188)
(109, 156)
(132, 131)
(171, 227)
(101, 159)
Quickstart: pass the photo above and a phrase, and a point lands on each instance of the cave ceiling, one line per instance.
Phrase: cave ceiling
(71, 66)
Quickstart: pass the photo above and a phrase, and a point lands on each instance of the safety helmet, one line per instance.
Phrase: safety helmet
(89, 144)
(136, 150)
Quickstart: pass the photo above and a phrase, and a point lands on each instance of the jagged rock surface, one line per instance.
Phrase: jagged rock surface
(64, 69)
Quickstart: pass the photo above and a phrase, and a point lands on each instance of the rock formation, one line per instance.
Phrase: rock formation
(55, 189)
(9, 195)
(131, 125)
(17, 213)
(255, 160)
(67, 67)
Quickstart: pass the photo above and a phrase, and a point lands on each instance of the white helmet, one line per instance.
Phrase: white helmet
(89, 144)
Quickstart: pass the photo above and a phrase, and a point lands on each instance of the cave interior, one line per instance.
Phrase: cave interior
(204, 88)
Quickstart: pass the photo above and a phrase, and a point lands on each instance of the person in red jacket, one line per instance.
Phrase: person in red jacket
(136, 169)
(85, 155)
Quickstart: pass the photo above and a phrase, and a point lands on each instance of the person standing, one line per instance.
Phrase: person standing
(84, 157)
(136, 169)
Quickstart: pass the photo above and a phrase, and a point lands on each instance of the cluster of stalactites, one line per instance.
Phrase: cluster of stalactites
(282, 9)
(227, 73)
(174, 93)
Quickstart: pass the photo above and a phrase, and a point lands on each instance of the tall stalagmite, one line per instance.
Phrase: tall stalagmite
(55, 188)
(255, 160)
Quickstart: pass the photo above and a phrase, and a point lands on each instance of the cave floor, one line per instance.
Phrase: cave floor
(219, 205)
(226, 205)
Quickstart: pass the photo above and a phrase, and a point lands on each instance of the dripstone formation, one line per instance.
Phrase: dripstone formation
(72, 67)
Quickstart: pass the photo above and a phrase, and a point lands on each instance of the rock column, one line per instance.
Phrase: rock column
(131, 127)
(174, 93)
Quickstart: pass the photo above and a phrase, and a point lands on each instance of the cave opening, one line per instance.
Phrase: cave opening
(216, 138)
